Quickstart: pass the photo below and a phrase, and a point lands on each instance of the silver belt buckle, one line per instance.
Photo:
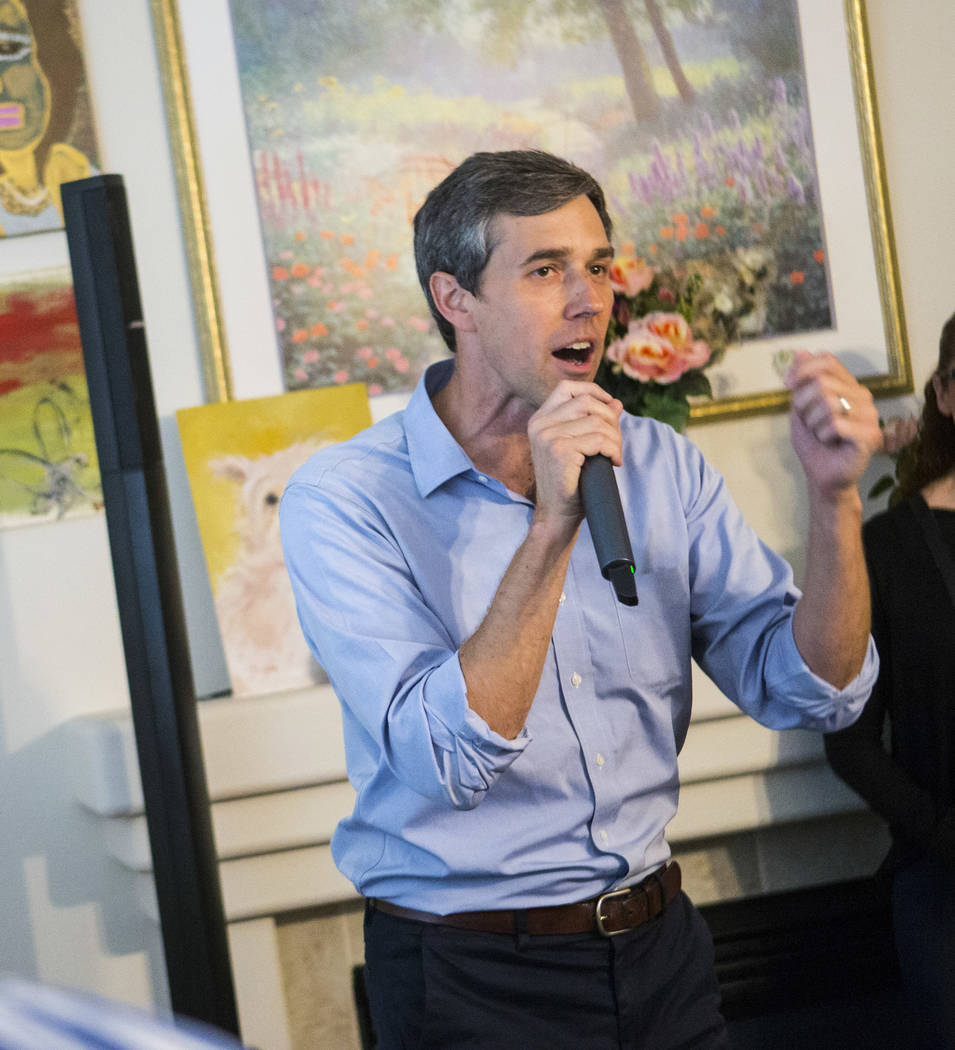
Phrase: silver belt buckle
(604, 932)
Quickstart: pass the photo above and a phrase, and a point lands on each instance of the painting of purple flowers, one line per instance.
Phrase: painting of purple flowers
(747, 184)
(694, 115)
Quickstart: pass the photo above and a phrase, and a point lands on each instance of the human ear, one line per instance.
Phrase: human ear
(453, 301)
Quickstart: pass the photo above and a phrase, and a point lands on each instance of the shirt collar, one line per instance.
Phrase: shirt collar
(434, 454)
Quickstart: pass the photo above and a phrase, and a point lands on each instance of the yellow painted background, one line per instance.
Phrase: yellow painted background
(256, 427)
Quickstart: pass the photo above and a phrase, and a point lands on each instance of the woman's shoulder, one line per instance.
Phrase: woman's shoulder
(888, 528)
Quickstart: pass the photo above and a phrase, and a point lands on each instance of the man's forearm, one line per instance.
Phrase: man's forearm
(503, 659)
(831, 621)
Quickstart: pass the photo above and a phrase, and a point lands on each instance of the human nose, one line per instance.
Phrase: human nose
(585, 295)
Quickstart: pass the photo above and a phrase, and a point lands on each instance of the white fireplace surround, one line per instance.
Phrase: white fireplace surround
(276, 772)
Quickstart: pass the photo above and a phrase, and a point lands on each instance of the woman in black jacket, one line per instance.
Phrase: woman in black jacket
(909, 778)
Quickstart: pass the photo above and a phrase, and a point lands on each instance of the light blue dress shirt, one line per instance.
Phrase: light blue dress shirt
(396, 544)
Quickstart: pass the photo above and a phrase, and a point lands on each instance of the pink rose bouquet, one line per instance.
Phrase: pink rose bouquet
(659, 348)
(669, 323)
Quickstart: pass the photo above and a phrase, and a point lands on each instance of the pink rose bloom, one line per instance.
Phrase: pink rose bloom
(629, 275)
(696, 354)
(645, 355)
(675, 330)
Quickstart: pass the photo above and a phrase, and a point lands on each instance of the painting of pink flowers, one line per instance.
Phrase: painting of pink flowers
(693, 115)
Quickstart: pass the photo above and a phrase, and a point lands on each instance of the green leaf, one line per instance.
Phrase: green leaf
(695, 384)
(659, 403)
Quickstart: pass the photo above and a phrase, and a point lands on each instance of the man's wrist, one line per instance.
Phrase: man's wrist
(836, 500)
(553, 532)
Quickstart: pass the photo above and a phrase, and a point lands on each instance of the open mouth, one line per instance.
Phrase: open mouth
(576, 353)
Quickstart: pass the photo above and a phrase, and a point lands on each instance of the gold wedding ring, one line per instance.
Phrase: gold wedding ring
(844, 405)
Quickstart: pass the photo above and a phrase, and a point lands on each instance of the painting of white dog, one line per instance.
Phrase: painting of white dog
(239, 456)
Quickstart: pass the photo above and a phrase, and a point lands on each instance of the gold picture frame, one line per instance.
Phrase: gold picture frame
(887, 373)
(216, 371)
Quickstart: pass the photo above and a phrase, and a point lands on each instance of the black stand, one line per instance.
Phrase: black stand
(150, 604)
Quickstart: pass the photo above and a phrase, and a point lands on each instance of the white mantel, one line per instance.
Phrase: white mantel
(275, 767)
(276, 772)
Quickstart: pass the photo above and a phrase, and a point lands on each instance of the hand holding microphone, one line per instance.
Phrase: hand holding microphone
(583, 410)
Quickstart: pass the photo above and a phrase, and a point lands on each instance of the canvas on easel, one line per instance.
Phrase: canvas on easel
(239, 456)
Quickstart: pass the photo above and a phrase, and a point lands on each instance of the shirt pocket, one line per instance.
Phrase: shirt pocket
(655, 633)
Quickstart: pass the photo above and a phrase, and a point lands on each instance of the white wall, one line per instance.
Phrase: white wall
(65, 913)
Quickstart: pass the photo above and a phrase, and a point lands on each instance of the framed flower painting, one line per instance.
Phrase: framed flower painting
(737, 142)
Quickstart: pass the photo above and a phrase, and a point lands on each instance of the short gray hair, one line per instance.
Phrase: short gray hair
(452, 229)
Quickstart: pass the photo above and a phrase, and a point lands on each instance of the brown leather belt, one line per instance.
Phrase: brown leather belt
(608, 914)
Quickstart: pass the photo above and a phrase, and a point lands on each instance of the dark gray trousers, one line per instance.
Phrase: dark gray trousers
(438, 988)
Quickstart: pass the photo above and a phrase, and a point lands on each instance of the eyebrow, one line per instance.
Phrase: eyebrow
(564, 253)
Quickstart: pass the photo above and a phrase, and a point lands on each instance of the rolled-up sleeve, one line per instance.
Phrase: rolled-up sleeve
(820, 704)
(389, 658)
(742, 603)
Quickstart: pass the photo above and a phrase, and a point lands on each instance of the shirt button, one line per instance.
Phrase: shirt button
(563, 598)
(600, 760)
(603, 836)
(482, 479)
(575, 679)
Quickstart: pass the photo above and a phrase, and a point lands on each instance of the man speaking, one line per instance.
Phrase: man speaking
(512, 728)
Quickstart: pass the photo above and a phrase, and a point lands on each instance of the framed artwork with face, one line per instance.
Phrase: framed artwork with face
(46, 126)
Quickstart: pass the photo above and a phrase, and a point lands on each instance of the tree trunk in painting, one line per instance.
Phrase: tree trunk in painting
(687, 94)
(633, 60)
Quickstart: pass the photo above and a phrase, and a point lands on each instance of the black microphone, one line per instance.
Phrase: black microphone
(608, 527)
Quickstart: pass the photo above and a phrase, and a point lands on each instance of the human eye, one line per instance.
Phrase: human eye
(13, 47)
(543, 271)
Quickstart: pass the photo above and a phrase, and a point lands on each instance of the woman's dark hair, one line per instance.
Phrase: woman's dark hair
(453, 229)
(932, 453)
